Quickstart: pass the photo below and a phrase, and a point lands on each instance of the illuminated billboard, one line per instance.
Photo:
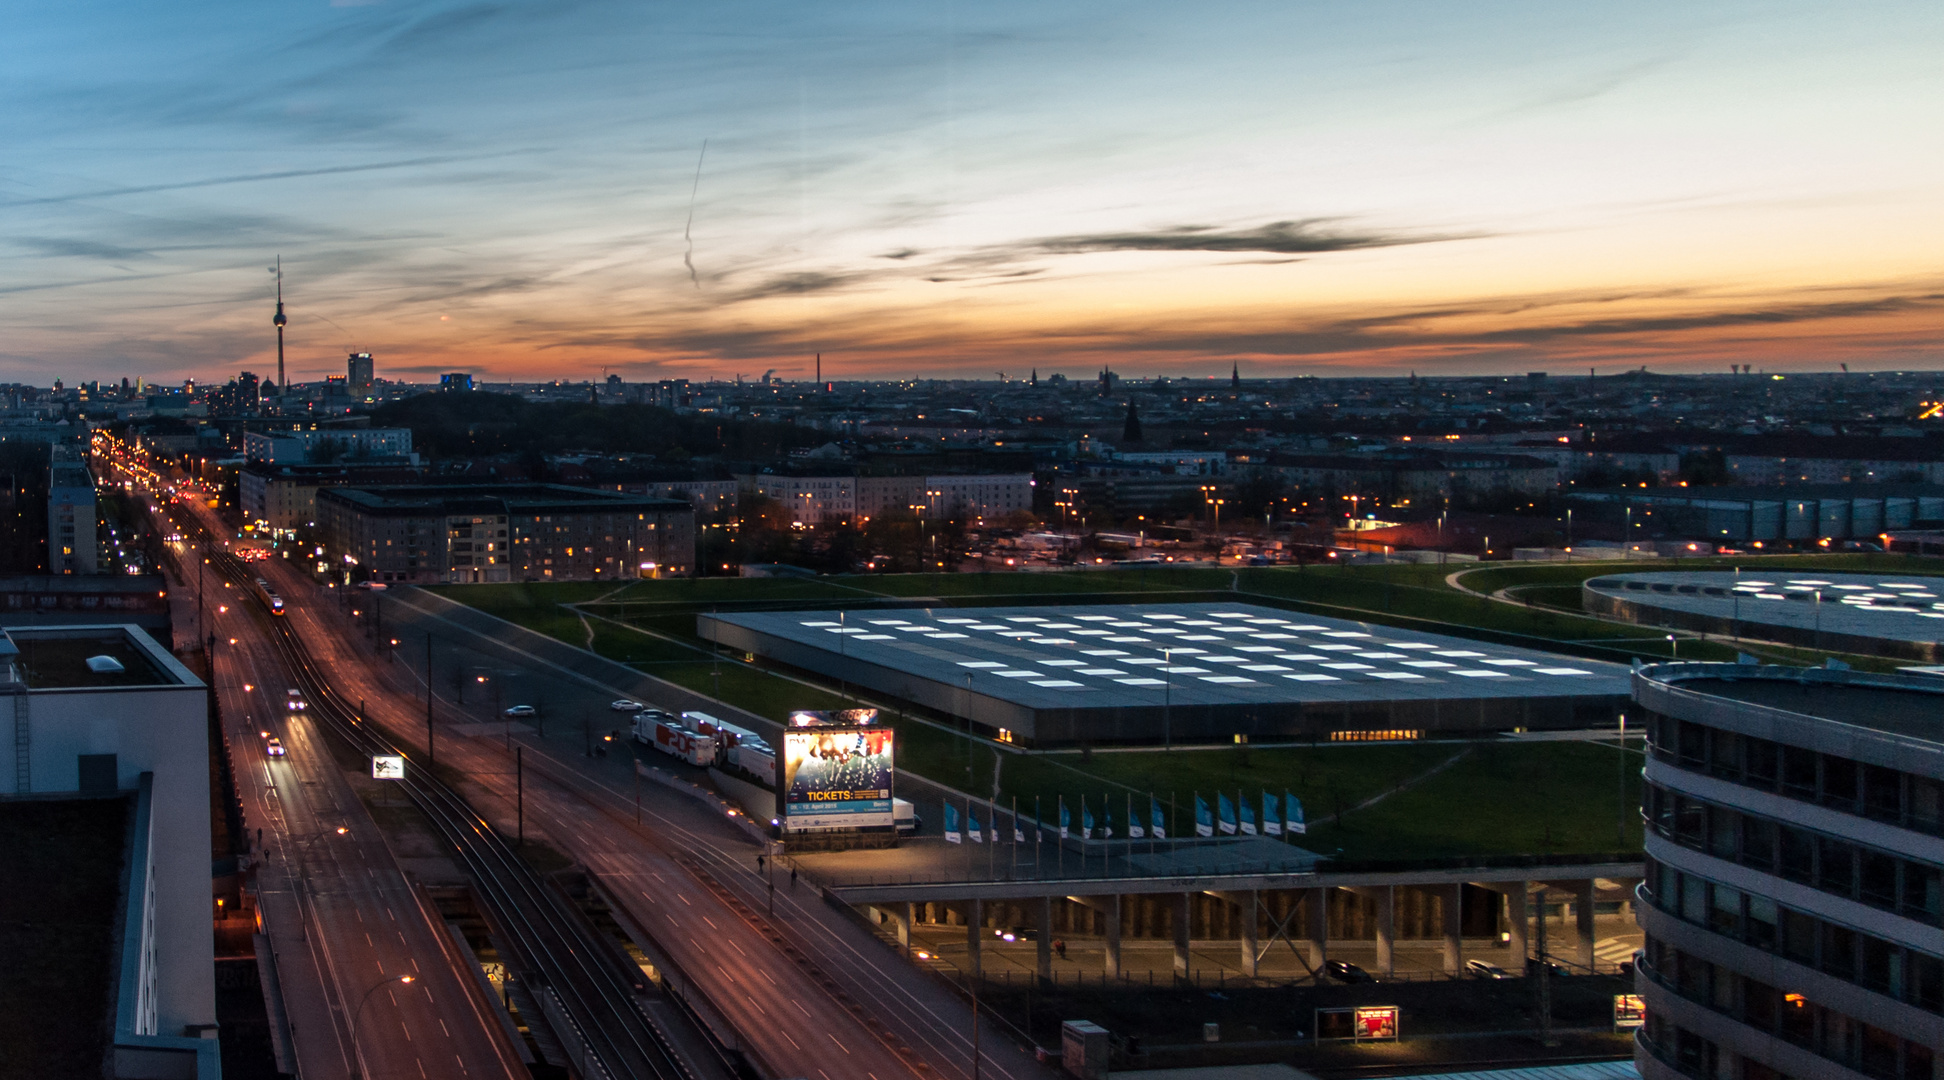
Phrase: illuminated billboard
(837, 777)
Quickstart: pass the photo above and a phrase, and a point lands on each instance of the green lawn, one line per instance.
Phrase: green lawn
(1499, 798)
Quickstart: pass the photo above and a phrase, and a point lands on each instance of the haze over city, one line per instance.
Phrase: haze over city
(523, 191)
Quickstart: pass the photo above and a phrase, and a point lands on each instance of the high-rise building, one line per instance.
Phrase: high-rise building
(456, 380)
(71, 539)
(1793, 908)
(358, 370)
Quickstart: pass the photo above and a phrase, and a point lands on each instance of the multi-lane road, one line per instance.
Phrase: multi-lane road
(798, 987)
(347, 928)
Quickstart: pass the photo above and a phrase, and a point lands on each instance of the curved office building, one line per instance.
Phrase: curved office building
(1792, 900)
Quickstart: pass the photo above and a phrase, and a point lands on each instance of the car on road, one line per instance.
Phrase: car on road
(627, 706)
(520, 711)
(1480, 969)
(274, 747)
(1345, 972)
(1533, 964)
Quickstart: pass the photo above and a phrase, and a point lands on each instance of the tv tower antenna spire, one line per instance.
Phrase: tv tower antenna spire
(279, 320)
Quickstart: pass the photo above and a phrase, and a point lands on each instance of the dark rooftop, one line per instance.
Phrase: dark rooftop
(56, 658)
(1905, 705)
(497, 498)
(58, 933)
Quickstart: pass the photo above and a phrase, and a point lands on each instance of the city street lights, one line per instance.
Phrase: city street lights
(402, 980)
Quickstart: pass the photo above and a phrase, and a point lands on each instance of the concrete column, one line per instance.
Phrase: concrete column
(1454, 959)
(974, 937)
(1111, 956)
(1246, 904)
(1044, 946)
(1583, 908)
(1518, 921)
(1180, 920)
(1316, 901)
(901, 914)
(1386, 929)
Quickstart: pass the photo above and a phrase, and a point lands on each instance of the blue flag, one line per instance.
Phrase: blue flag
(1160, 824)
(1226, 810)
(1248, 814)
(1066, 819)
(972, 825)
(952, 824)
(1204, 821)
(1086, 821)
(1293, 815)
(1134, 830)
(1271, 815)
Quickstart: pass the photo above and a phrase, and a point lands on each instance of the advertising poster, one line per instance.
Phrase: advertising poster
(387, 767)
(837, 777)
(1375, 1022)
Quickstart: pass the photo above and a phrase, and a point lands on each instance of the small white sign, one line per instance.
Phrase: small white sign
(387, 767)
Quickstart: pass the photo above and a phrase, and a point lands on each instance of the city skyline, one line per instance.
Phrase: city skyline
(525, 192)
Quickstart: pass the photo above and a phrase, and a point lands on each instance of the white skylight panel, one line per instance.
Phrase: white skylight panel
(1508, 661)
(1395, 675)
(1473, 674)
(1311, 676)
(1344, 633)
(1141, 682)
(1226, 679)
(1561, 671)
(1460, 654)
(1058, 684)
(1349, 665)
(1061, 663)
(981, 664)
(1104, 652)
(1265, 667)
(1428, 664)
(1024, 619)
(1383, 655)
(1099, 671)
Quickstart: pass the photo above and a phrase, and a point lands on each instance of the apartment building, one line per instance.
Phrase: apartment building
(301, 447)
(1793, 907)
(819, 500)
(72, 543)
(505, 532)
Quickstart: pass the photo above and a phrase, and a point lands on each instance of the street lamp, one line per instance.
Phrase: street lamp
(402, 980)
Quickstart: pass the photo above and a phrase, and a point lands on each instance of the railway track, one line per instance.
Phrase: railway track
(600, 995)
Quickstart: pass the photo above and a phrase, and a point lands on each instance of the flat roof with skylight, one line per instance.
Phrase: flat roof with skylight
(1880, 614)
(1195, 672)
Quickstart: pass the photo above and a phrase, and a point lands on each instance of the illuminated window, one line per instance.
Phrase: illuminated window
(1396, 735)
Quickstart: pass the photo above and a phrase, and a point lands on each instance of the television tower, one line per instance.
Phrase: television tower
(279, 320)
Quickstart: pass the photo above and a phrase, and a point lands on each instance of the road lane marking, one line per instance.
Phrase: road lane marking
(840, 1045)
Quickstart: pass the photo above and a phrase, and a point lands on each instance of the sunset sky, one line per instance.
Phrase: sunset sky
(922, 188)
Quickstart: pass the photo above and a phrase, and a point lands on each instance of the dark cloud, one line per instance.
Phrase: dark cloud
(70, 247)
(1420, 328)
(245, 178)
(1306, 236)
(799, 284)
(901, 254)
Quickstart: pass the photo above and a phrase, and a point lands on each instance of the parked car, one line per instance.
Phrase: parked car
(1480, 969)
(1552, 969)
(274, 748)
(521, 711)
(627, 706)
(1345, 972)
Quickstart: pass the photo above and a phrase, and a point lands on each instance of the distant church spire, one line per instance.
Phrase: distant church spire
(1235, 375)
